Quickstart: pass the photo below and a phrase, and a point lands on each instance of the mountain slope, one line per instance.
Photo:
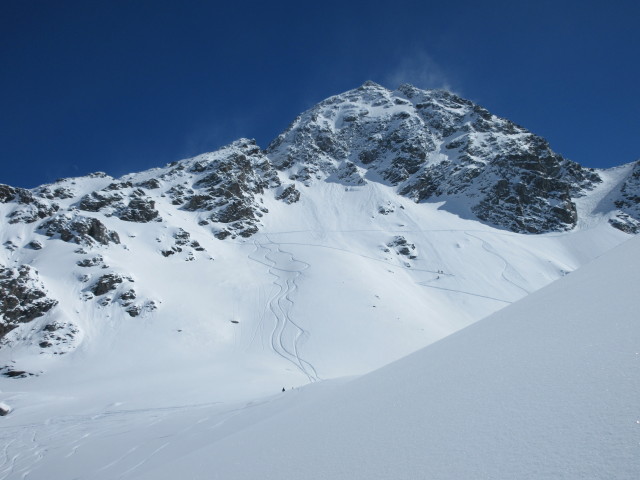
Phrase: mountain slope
(545, 388)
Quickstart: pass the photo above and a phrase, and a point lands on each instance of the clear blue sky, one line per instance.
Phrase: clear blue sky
(121, 86)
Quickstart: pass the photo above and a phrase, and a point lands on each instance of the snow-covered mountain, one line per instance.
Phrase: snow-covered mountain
(379, 222)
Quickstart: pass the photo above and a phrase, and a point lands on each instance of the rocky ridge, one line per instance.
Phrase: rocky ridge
(436, 146)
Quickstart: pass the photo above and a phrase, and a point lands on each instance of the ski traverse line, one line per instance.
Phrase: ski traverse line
(280, 304)
(423, 284)
(403, 267)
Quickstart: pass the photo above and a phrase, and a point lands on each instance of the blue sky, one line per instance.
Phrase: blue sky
(121, 86)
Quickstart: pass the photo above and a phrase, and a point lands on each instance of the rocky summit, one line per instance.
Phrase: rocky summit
(394, 163)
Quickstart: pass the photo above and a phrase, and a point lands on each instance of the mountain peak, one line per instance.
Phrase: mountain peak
(372, 84)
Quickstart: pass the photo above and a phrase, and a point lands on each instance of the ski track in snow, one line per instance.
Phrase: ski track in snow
(351, 252)
(62, 439)
(507, 266)
(425, 284)
(282, 266)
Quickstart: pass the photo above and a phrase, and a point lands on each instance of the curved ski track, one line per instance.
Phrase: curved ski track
(285, 269)
(507, 266)
(60, 439)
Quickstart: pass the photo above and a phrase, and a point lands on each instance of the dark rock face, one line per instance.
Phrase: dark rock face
(79, 229)
(228, 186)
(106, 283)
(350, 174)
(34, 245)
(141, 210)
(112, 200)
(22, 297)
(434, 145)
(51, 192)
(183, 241)
(91, 262)
(403, 247)
(628, 203)
(114, 289)
(128, 296)
(179, 194)
(11, 373)
(96, 201)
(150, 184)
(57, 335)
(7, 193)
(28, 208)
(290, 194)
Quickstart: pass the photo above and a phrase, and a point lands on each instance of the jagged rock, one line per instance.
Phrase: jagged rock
(91, 262)
(150, 184)
(436, 146)
(22, 297)
(182, 237)
(196, 246)
(135, 310)
(403, 247)
(141, 210)
(28, 208)
(628, 203)
(33, 212)
(7, 193)
(349, 174)
(106, 283)
(170, 251)
(118, 186)
(128, 295)
(179, 193)
(229, 184)
(289, 194)
(97, 201)
(625, 223)
(58, 335)
(386, 209)
(111, 201)
(8, 372)
(50, 193)
(4, 409)
(34, 245)
(79, 229)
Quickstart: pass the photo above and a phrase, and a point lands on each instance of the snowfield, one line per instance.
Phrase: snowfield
(547, 387)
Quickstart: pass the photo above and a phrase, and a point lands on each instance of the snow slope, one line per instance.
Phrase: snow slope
(545, 388)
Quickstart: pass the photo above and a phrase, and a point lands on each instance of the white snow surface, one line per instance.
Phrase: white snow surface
(545, 388)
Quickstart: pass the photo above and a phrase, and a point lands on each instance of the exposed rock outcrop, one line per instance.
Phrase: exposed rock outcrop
(23, 297)
(78, 229)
